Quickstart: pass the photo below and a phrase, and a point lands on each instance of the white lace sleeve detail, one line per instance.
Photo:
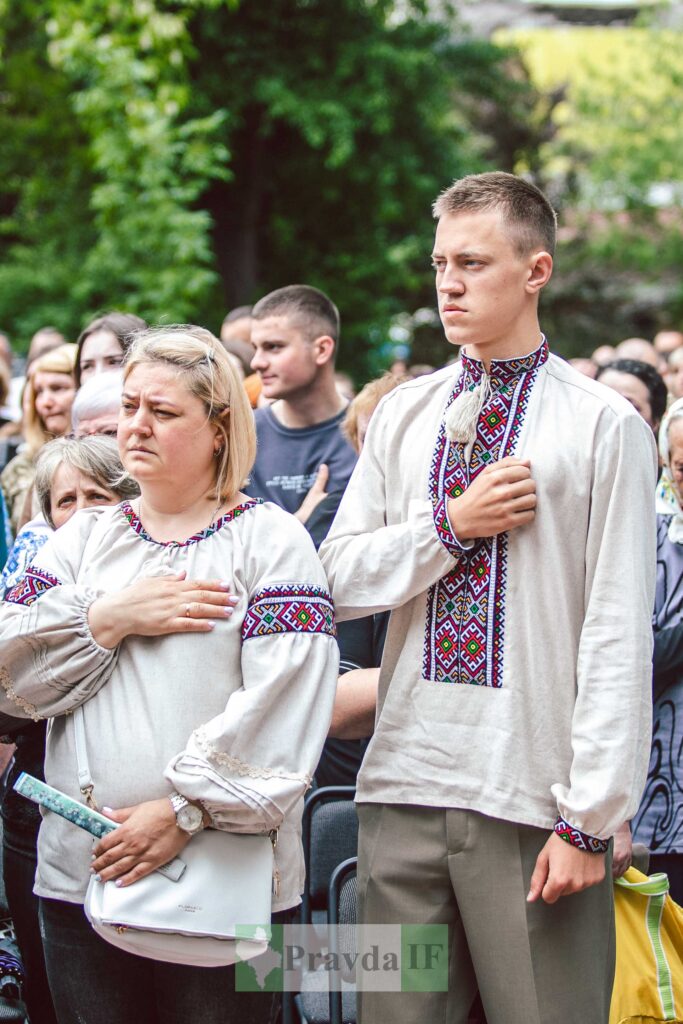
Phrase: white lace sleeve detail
(233, 764)
(29, 709)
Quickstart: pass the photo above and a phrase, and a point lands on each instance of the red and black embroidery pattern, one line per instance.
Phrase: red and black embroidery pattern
(29, 588)
(466, 608)
(589, 844)
(289, 608)
(133, 520)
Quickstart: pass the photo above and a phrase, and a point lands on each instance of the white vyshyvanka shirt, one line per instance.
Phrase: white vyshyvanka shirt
(516, 677)
(235, 718)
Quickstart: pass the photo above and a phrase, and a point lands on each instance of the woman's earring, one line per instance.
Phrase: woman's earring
(218, 452)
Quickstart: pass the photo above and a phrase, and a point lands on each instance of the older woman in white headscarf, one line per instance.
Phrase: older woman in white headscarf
(659, 821)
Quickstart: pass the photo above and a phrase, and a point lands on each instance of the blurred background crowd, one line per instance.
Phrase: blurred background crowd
(164, 163)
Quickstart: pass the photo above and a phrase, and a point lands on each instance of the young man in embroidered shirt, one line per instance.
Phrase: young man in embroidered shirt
(501, 509)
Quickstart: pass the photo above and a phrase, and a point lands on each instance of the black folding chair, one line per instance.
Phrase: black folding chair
(330, 835)
(342, 915)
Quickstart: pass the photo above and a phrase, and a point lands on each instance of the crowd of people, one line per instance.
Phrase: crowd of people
(448, 590)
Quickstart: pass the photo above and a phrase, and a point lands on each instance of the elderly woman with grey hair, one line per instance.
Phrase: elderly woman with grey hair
(97, 405)
(71, 474)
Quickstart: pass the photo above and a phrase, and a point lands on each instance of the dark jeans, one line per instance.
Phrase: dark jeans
(95, 983)
(672, 865)
(19, 869)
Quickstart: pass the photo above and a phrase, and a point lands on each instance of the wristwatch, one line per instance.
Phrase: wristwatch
(188, 817)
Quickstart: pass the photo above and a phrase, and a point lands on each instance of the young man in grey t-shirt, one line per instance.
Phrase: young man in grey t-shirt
(295, 331)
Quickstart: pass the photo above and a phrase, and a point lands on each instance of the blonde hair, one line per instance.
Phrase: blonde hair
(524, 207)
(206, 371)
(58, 360)
(366, 401)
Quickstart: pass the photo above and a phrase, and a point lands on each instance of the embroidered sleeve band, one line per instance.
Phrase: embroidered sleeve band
(582, 841)
(31, 586)
(289, 608)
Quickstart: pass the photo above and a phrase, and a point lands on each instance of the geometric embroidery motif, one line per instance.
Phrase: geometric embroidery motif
(133, 520)
(466, 608)
(289, 608)
(589, 844)
(29, 588)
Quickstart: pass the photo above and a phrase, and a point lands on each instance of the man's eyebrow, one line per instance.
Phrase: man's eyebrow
(464, 254)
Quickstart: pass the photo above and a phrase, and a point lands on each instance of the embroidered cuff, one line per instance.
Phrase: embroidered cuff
(445, 531)
(581, 840)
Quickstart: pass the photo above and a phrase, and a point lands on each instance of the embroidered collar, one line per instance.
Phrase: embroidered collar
(131, 517)
(503, 371)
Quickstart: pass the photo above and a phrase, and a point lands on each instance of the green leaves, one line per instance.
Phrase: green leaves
(176, 159)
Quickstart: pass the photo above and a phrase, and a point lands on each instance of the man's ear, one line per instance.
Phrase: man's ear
(540, 271)
(324, 349)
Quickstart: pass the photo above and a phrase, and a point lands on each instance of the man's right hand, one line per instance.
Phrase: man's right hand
(501, 498)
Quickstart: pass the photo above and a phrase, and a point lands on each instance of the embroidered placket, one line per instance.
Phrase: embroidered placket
(466, 608)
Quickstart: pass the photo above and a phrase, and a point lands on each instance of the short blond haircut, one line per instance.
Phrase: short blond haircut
(206, 371)
(366, 401)
(525, 210)
(58, 360)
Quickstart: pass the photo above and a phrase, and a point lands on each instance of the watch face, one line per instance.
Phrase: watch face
(190, 818)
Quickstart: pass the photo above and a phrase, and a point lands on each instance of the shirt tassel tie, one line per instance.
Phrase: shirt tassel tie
(462, 415)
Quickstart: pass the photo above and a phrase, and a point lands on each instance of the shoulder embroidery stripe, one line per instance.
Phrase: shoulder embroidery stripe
(31, 586)
(289, 608)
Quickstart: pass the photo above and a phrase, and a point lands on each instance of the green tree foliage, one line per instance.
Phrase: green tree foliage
(178, 158)
(106, 169)
(45, 180)
(615, 161)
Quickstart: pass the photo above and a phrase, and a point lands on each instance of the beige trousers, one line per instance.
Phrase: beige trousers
(532, 963)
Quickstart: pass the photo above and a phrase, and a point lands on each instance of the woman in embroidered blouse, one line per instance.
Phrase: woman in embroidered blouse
(186, 689)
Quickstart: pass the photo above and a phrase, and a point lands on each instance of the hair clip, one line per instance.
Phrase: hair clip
(210, 355)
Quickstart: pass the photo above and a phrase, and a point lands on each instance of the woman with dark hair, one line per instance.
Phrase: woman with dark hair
(102, 345)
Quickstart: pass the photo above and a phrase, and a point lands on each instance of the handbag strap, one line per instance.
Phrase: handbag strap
(85, 781)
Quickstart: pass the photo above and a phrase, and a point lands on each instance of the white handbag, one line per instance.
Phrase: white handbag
(216, 913)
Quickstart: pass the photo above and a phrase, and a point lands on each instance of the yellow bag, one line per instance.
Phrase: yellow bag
(648, 984)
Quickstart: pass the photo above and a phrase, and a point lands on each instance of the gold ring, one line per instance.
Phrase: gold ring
(187, 610)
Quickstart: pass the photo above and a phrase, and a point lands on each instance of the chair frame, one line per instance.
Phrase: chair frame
(341, 873)
(325, 794)
(315, 798)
